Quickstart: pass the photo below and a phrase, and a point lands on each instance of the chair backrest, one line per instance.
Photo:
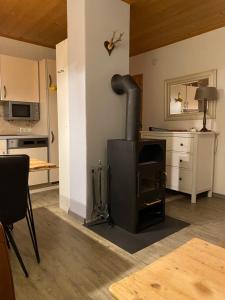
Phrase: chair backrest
(14, 172)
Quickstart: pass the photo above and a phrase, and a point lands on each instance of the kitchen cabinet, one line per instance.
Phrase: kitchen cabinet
(19, 79)
(48, 124)
(63, 121)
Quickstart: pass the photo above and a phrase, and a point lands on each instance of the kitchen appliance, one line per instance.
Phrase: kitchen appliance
(25, 111)
(35, 148)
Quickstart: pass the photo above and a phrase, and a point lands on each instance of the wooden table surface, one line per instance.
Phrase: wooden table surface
(194, 271)
(37, 165)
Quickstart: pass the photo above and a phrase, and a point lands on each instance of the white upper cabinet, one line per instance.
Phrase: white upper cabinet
(19, 79)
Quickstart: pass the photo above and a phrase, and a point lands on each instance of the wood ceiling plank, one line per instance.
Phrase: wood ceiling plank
(158, 23)
(39, 22)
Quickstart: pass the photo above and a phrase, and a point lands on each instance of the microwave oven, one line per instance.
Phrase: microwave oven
(25, 111)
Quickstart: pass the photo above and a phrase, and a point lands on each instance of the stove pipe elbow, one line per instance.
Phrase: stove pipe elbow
(127, 85)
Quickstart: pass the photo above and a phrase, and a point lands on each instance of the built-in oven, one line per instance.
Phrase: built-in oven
(26, 111)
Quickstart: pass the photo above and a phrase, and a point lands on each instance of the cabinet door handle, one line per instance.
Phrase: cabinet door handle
(181, 160)
(180, 179)
(60, 71)
(5, 92)
(50, 80)
(53, 137)
(182, 144)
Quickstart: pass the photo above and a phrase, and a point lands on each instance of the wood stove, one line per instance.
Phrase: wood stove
(137, 183)
(136, 169)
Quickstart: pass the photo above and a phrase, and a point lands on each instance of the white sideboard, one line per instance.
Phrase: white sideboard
(189, 160)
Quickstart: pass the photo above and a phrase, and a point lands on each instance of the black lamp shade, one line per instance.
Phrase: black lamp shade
(206, 93)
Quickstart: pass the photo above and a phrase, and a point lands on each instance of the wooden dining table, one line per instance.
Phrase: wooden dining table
(194, 271)
(39, 165)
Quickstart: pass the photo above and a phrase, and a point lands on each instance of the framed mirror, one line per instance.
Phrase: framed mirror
(180, 103)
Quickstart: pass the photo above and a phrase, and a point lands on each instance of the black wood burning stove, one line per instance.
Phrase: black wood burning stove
(137, 183)
(136, 169)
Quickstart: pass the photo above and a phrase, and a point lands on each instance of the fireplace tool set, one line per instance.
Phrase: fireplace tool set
(99, 213)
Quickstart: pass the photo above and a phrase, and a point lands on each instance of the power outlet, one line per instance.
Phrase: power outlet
(25, 129)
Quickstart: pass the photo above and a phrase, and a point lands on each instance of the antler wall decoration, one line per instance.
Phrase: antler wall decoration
(111, 44)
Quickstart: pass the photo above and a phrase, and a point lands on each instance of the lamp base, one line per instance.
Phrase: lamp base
(205, 130)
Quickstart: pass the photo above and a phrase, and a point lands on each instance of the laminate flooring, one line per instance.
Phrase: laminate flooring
(78, 264)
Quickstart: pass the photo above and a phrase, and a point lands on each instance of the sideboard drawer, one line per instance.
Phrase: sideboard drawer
(182, 144)
(179, 159)
(179, 179)
(175, 143)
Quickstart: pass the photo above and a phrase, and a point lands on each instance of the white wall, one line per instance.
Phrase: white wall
(63, 109)
(76, 16)
(97, 114)
(105, 110)
(26, 50)
(197, 54)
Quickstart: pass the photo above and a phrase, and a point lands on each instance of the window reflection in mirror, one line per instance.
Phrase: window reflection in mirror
(182, 97)
(180, 103)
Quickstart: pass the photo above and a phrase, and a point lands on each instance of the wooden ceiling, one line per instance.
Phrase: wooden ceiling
(154, 23)
(42, 22)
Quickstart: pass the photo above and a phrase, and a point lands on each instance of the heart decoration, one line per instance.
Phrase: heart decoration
(108, 47)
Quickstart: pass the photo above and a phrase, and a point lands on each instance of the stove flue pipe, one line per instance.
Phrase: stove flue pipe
(126, 84)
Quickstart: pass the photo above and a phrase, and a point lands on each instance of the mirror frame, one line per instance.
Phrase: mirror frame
(211, 113)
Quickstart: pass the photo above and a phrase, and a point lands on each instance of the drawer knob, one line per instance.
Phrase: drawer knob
(182, 144)
(181, 160)
(180, 178)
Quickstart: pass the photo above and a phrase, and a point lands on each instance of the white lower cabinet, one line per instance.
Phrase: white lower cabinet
(189, 160)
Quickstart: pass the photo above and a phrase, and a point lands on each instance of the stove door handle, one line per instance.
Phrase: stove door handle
(138, 184)
(163, 179)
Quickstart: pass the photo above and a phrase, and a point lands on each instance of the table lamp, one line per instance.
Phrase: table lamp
(205, 94)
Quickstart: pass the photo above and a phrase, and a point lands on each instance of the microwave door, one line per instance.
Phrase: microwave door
(21, 111)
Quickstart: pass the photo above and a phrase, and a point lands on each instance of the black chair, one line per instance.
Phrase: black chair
(15, 202)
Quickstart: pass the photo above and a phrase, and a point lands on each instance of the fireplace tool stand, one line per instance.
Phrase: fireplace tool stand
(100, 213)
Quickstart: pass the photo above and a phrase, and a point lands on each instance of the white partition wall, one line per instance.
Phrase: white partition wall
(96, 113)
(63, 124)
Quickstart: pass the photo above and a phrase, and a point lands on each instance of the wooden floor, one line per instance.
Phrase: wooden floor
(77, 264)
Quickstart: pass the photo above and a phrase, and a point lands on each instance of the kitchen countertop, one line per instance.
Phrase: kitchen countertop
(7, 137)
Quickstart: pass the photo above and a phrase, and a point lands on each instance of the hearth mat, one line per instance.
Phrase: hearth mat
(135, 242)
